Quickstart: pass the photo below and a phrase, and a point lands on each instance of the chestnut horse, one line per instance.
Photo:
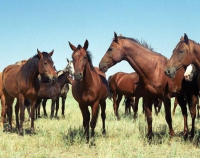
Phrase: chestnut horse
(124, 84)
(22, 82)
(127, 84)
(90, 88)
(150, 67)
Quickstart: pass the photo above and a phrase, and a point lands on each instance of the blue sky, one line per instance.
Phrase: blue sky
(46, 25)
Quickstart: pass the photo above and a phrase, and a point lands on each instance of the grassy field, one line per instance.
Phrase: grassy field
(124, 138)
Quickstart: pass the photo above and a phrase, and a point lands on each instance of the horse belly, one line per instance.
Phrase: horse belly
(10, 83)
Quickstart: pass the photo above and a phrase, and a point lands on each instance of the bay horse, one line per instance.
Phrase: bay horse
(150, 67)
(90, 88)
(22, 82)
(54, 91)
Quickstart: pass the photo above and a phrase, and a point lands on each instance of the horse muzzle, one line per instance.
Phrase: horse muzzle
(170, 72)
(78, 76)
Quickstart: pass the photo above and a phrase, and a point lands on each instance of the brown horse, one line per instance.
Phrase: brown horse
(89, 88)
(127, 84)
(185, 53)
(124, 84)
(150, 67)
(22, 82)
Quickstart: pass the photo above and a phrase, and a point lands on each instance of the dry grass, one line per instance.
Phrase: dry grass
(124, 138)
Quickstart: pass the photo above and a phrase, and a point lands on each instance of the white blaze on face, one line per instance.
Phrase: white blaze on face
(189, 73)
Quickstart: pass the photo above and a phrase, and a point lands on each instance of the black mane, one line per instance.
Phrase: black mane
(31, 66)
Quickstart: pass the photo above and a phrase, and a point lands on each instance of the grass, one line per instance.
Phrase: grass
(124, 138)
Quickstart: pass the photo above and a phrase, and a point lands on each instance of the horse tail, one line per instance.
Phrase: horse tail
(110, 94)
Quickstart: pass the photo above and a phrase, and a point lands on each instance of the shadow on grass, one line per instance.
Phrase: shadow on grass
(74, 136)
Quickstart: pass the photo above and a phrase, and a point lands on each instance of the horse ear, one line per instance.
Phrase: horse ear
(72, 46)
(40, 54)
(186, 38)
(116, 38)
(86, 44)
(51, 53)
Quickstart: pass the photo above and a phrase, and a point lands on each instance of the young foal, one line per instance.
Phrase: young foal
(21, 82)
(89, 88)
(54, 91)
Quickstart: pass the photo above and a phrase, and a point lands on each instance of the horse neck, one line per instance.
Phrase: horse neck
(30, 71)
(88, 76)
(196, 50)
(144, 61)
(61, 80)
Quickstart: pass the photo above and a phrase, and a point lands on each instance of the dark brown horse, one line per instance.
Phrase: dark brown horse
(22, 82)
(89, 88)
(150, 67)
(54, 91)
(185, 53)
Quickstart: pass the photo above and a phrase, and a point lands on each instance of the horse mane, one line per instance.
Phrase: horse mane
(89, 56)
(32, 64)
(142, 43)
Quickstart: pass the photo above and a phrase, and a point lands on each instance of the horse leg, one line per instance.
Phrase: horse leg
(103, 115)
(135, 107)
(192, 107)
(52, 108)
(86, 118)
(159, 105)
(33, 105)
(148, 113)
(21, 100)
(17, 114)
(57, 107)
(95, 111)
(198, 107)
(63, 106)
(155, 102)
(3, 110)
(127, 104)
(168, 117)
(119, 98)
(44, 107)
(8, 103)
(182, 102)
(175, 105)
(115, 105)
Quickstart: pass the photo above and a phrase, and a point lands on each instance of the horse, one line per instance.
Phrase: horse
(70, 67)
(124, 84)
(54, 91)
(127, 84)
(190, 72)
(152, 79)
(90, 88)
(22, 82)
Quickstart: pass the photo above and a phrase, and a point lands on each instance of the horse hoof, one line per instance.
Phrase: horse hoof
(63, 116)
(92, 142)
(32, 131)
(39, 116)
(21, 132)
(104, 132)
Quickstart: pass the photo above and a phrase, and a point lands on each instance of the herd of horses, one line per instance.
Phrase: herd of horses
(156, 79)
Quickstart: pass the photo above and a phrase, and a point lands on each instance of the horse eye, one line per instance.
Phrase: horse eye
(85, 57)
(110, 49)
(45, 63)
(181, 51)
